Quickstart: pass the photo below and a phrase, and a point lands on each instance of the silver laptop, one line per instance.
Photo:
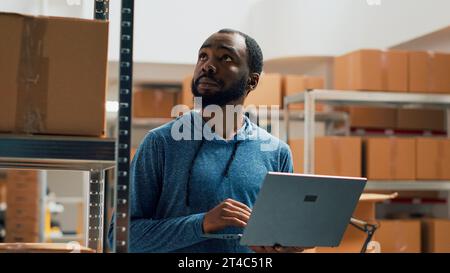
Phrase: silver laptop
(300, 210)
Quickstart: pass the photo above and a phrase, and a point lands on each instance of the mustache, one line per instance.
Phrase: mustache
(219, 82)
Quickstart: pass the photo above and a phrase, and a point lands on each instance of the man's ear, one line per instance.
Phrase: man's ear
(252, 82)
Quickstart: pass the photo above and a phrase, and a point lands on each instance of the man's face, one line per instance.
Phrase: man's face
(222, 72)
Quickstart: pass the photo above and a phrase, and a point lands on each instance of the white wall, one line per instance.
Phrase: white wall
(330, 27)
(171, 31)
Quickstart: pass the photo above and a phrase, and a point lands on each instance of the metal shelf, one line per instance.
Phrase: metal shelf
(371, 98)
(408, 185)
(56, 152)
(91, 154)
(349, 97)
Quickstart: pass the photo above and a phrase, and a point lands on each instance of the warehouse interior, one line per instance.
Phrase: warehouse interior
(361, 88)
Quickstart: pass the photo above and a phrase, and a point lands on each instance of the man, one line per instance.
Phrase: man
(184, 188)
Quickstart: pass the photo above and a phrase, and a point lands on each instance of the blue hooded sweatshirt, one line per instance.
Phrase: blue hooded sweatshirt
(174, 182)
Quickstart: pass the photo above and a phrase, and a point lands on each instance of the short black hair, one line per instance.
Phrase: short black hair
(254, 52)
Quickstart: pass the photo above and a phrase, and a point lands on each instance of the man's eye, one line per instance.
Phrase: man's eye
(227, 58)
(202, 56)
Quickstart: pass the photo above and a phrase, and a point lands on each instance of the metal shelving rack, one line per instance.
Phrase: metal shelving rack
(95, 155)
(383, 99)
(123, 147)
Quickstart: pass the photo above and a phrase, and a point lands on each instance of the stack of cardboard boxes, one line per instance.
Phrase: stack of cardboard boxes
(333, 155)
(22, 214)
(389, 159)
(407, 158)
(399, 236)
(378, 158)
(396, 119)
(394, 71)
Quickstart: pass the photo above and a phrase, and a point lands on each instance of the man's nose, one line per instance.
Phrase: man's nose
(209, 68)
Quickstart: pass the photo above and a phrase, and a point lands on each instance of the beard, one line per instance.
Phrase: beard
(223, 96)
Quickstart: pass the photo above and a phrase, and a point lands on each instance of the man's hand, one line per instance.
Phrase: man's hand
(278, 249)
(228, 213)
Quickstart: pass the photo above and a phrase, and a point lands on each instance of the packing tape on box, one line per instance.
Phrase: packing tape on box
(32, 80)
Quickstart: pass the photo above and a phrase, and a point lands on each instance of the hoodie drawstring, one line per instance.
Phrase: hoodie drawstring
(231, 159)
(190, 172)
(225, 172)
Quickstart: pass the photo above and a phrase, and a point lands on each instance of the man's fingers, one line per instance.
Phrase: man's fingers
(232, 221)
(236, 214)
(230, 206)
(238, 204)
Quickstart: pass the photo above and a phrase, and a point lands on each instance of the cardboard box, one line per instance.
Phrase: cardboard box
(353, 238)
(372, 70)
(421, 119)
(186, 97)
(3, 176)
(292, 84)
(440, 67)
(433, 158)
(53, 75)
(436, 236)
(20, 211)
(390, 158)
(27, 200)
(23, 188)
(151, 103)
(359, 70)
(340, 156)
(2, 192)
(428, 72)
(268, 92)
(20, 237)
(371, 117)
(399, 236)
(22, 225)
(418, 71)
(395, 70)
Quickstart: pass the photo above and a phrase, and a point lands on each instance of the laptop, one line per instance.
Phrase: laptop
(300, 211)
